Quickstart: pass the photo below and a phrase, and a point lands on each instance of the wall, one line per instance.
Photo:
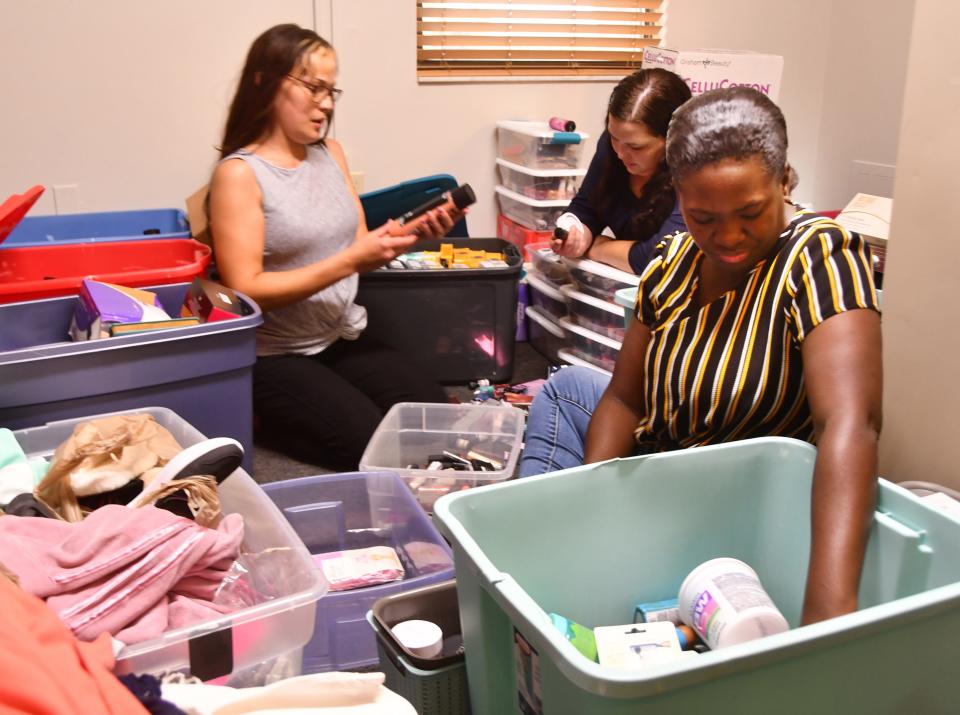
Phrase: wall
(126, 102)
(921, 328)
(862, 100)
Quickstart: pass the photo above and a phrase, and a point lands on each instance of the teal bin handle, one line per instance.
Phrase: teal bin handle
(565, 138)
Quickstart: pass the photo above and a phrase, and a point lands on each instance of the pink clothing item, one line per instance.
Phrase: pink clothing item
(133, 573)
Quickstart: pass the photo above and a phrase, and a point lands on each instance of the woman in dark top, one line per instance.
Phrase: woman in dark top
(627, 187)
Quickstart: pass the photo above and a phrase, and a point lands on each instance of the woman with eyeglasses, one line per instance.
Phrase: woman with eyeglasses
(289, 231)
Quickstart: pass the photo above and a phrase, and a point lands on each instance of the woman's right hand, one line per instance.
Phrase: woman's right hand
(377, 247)
(576, 244)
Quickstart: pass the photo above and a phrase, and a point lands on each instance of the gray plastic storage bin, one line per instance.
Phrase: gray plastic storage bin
(202, 372)
(259, 641)
(353, 511)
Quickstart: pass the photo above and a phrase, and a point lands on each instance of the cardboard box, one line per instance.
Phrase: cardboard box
(704, 70)
(197, 215)
(869, 216)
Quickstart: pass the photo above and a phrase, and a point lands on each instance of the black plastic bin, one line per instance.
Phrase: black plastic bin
(459, 324)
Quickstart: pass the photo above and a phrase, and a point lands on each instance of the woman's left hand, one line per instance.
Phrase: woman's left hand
(438, 223)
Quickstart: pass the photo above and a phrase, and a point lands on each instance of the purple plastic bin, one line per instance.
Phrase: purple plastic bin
(352, 511)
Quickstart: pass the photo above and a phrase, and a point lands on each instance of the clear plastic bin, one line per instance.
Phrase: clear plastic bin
(545, 335)
(150, 224)
(534, 214)
(546, 297)
(411, 432)
(537, 146)
(600, 316)
(592, 347)
(204, 372)
(275, 630)
(547, 263)
(540, 184)
(354, 511)
(567, 356)
(599, 279)
(636, 527)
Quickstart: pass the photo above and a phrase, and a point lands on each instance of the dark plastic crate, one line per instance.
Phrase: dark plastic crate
(94, 227)
(352, 511)
(202, 372)
(460, 324)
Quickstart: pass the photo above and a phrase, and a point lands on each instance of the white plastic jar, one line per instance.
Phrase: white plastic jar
(725, 603)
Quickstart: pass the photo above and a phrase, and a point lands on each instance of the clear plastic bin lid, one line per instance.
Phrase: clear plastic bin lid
(541, 173)
(602, 269)
(589, 334)
(533, 128)
(520, 198)
(573, 294)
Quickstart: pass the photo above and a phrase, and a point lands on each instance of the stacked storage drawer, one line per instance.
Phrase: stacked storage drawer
(539, 172)
(546, 277)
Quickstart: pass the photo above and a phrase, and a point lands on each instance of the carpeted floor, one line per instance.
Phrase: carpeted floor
(271, 466)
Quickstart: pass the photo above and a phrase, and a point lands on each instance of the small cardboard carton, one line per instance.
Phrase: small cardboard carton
(869, 216)
(704, 70)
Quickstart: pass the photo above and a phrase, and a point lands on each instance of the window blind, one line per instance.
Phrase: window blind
(534, 37)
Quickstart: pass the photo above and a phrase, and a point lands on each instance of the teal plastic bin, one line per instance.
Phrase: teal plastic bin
(627, 297)
(590, 542)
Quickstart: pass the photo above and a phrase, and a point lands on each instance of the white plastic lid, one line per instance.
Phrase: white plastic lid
(533, 128)
(545, 287)
(544, 322)
(520, 198)
(571, 359)
(589, 334)
(602, 269)
(422, 638)
(541, 172)
(573, 294)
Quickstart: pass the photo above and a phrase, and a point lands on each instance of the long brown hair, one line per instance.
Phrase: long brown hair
(272, 56)
(648, 97)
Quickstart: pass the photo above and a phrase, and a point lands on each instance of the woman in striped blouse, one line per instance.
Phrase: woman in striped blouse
(758, 321)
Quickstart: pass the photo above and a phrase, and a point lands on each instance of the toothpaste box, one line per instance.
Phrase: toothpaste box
(704, 70)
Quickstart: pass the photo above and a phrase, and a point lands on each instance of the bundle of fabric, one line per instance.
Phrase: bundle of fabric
(133, 573)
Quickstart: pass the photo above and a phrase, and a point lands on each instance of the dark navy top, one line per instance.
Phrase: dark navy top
(620, 210)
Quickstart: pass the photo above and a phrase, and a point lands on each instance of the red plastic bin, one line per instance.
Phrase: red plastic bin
(52, 271)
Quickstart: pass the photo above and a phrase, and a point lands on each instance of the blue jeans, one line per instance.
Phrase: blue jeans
(559, 416)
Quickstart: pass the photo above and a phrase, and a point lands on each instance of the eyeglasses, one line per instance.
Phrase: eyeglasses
(318, 92)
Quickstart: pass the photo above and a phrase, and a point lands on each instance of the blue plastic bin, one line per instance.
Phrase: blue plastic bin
(353, 511)
(202, 372)
(590, 542)
(95, 227)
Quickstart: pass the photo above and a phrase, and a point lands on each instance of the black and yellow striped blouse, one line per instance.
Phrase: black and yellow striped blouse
(732, 369)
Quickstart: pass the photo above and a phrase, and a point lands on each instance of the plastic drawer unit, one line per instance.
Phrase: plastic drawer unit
(600, 316)
(458, 323)
(540, 184)
(634, 528)
(546, 263)
(534, 214)
(596, 349)
(150, 224)
(536, 146)
(412, 431)
(202, 372)
(38, 272)
(546, 336)
(250, 646)
(352, 511)
(598, 279)
(546, 297)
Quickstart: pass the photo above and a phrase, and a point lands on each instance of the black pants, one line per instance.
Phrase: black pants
(324, 408)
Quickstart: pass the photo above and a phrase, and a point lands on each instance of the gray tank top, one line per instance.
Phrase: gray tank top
(309, 215)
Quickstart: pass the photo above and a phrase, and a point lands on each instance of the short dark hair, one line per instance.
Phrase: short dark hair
(732, 123)
(272, 56)
(648, 97)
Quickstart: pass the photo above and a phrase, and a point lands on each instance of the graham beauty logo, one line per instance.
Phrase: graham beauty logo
(706, 62)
